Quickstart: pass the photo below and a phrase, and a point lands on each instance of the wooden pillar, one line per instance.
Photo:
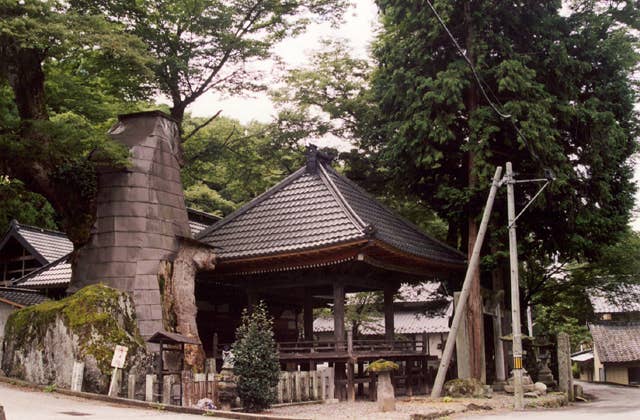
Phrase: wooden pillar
(338, 314)
(389, 291)
(308, 315)
(360, 375)
(252, 299)
(351, 389)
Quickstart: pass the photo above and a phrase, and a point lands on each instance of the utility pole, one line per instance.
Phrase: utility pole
(466, 287)
(515, 292)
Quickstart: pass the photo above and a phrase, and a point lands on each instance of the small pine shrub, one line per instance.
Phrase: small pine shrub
(256, 360)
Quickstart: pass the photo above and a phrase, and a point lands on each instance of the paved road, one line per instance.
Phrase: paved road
(609, 402)
(28, 404)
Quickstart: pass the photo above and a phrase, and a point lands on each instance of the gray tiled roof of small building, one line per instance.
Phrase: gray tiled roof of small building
(48, 243)
(625, 299)
(21, 297)
(196, 227)
(313, 209)
(617, 342)
(53, 275)
(404, 322)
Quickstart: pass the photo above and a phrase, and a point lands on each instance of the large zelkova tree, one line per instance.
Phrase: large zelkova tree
(57, 69)
(566, 84)
(107, 55)
(211, 45)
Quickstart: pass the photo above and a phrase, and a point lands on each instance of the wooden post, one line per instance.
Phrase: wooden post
(409, 378)
(338, 314)
(308, 315)
(360, 375)
(114, 387)
(389, 329)
(351, 389)
(252, 299)
(215, 351)
(350, 343)
(462, 303)
(2, 416)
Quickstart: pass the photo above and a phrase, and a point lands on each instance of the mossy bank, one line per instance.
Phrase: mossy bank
(42, 341)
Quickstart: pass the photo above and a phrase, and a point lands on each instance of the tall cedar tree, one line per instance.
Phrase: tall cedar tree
(256, 359)
(565, 81)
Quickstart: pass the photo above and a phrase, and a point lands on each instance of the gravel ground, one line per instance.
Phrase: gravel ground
(404, 408)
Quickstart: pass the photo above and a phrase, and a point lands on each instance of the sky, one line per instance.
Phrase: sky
(358, 29)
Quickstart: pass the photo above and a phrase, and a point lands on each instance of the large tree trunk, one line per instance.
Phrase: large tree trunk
(474, 311)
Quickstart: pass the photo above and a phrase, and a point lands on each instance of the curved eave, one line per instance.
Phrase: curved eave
(294, 260)
(371, 252)
(383, 255)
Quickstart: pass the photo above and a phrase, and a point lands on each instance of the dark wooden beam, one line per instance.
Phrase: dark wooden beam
(308, 315)
(389, 328)
(338, 311)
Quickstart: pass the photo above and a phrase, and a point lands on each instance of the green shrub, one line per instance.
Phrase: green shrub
(256, 360)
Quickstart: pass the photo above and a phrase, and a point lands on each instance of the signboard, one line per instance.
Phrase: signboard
(119, 356)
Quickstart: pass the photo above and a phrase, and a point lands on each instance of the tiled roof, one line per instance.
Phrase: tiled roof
(196, 227)
(616, 342)
(46, 245)
(55, 274)
(55, 248)
(626, 299)
(20, 297)
(315, 208)
(389, 227)
(423, 292)
(404, 321)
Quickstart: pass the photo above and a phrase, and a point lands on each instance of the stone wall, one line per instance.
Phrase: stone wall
(141, 215)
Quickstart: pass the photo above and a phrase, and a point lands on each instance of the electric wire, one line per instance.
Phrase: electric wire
(481, 85)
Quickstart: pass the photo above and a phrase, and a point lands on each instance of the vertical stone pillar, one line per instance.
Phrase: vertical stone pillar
(167, 389)
(77, 376)
(150, 386)
(565, 378)
(131, 386)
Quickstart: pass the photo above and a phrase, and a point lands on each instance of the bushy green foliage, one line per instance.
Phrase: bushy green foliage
(256, 359)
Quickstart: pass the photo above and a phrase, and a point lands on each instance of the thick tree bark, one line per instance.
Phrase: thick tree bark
(474, 311)
(181, 293)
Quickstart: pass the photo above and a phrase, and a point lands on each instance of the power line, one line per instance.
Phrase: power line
(481, 84)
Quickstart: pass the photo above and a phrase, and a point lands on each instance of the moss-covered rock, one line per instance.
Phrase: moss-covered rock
(382, 365)
(42, 341)
(465, 388)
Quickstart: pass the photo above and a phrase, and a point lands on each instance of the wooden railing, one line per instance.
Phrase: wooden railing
(347, 347)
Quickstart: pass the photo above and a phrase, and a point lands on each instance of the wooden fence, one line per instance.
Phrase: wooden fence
(306, 386)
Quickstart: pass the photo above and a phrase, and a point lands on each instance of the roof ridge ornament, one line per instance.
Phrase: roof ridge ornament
(315, 156)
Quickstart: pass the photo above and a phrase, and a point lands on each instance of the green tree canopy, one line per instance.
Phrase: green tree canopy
(566, 82)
